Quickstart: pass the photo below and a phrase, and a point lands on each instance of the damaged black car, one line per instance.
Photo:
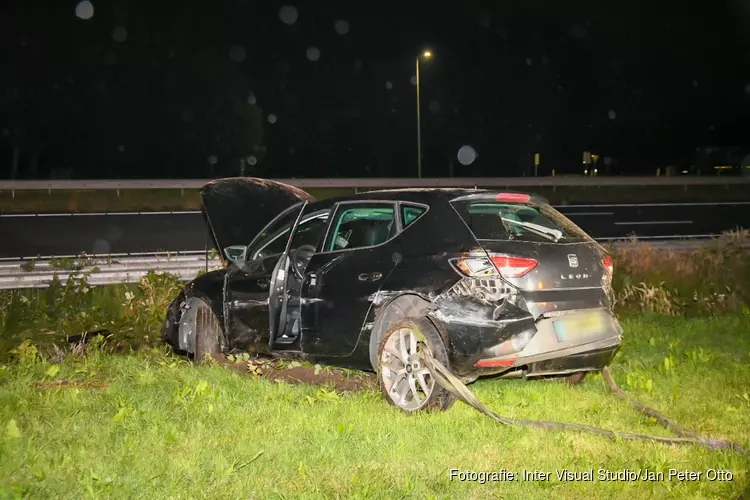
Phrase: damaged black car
(491, 283)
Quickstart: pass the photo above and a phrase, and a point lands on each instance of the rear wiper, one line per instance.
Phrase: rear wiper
(551, 234)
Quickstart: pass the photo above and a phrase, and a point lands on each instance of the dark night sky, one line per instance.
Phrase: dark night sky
(156, 89)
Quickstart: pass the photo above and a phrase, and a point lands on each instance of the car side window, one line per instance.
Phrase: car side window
(362, 225)
(410, 213)
(310, 231)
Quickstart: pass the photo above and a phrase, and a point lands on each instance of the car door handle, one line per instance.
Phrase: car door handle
(370, 276)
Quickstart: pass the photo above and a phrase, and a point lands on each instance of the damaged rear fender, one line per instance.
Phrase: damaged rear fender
(388, 308)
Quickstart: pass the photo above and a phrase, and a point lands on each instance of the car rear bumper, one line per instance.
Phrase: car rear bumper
(474, 348)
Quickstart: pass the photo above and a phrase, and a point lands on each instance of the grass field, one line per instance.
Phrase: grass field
(149, 425)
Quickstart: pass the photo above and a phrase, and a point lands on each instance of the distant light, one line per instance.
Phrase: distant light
(313, 54)
(684, 171)
(288, 15)
(427, 54)
(466, 155)
(341, 27)
(85, 10)
(119, 34)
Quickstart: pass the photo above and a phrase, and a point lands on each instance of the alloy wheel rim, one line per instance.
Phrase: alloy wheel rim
(407, 380)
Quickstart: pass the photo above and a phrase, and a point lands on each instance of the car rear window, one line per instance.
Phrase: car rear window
(490, 220)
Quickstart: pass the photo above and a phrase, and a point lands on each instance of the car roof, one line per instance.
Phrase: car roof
(415, 195)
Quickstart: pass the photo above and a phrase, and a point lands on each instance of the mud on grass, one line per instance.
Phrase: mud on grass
(302, 372)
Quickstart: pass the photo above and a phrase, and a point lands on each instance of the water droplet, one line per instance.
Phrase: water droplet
(528, 61)
(288, 15)
(110, 58)
(747, 88)
(485, 21)
(612, 114)
(413, 79)
(85, 10)
(466, 155)
(313, 53)
(434, 106)
(237, 53)
(212, 160)
(121, 148)
(695, 83)
(341, 27)
(252, 160)
(101, 247)
(388, 85)
(272, 118)
(545, 61)
(119, 34)
(358, 64)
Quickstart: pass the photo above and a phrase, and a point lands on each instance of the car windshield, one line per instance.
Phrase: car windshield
(518, 221)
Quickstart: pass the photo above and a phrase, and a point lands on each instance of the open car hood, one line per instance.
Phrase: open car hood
(238, 208)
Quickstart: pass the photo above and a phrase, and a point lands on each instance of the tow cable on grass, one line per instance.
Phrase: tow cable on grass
(452, 384)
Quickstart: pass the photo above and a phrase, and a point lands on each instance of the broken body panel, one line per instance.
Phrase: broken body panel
(322, 299)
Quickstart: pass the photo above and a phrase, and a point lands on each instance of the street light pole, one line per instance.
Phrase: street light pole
(419, 130)
(426, 54)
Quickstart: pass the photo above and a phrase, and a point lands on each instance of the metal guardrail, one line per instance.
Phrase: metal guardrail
(31, 273)
(371, 183)
(21, 273)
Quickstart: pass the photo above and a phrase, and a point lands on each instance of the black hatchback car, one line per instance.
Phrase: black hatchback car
(492, 283)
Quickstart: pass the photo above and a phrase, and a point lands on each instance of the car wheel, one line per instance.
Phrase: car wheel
(207, 334)
(404, 380)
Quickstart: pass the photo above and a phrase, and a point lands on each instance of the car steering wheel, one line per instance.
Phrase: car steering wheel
(300, 257)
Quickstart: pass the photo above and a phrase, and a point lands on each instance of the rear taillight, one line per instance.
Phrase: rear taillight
(608, 265)
(513, 197)
(513, 267)
(508, 266)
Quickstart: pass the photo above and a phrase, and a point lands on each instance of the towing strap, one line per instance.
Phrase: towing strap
(451, 383)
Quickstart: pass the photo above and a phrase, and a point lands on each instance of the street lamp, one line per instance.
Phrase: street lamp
(424, 55)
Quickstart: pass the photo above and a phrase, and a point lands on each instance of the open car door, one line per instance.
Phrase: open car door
(250, 221)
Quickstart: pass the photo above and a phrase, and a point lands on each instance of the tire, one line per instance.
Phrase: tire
(207, 334)
(409, 386)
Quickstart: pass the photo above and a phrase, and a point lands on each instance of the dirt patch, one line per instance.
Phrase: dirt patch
(316, 375)
(86, 384)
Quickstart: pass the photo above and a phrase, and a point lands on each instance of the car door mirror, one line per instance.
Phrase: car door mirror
(236, 253)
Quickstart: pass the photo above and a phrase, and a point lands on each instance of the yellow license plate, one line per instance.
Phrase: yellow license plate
(578, 326)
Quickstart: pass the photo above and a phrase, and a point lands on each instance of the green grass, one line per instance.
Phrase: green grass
(189, 199)
(164, 429)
